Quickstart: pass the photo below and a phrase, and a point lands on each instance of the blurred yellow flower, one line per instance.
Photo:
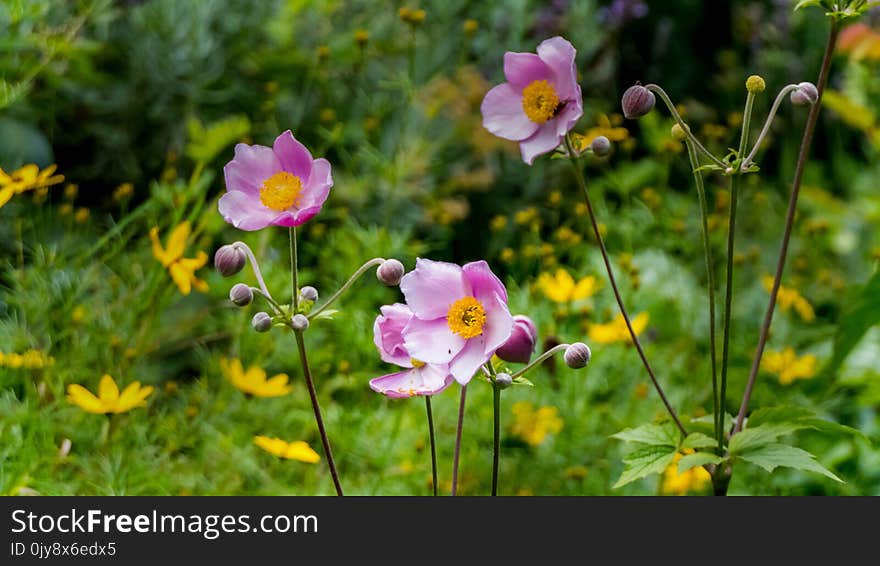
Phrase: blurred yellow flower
(562, 288)
(81, 215)
(674, 483)
(31, 359)
(526, 216)
(70, 191)
(788, 366)
(788, 298)
(498, 223)
(123, 192)
(26, 178)
(534, 426)
(616, 330)
(253, 381)
(361, 36)
(470, 26)
(296, 450)
(109, 400)
(181, 269)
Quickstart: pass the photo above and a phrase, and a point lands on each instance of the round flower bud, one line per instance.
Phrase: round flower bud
(390, 272)
(519, 347)
(678, 132)
(241, 295)
(637, 101)
(503, 380)
(806, 93)
(229, 260)
(755, 84)
(577, 355)
(299, 322)
(601, 146)
(308, 293)
(261, 322)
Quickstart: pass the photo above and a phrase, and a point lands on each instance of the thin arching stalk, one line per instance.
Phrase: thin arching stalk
(433, 444)
(456, 456)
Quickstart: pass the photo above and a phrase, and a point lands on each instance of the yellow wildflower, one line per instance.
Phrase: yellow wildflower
(70, 191)
(534, 426)
(788, 366)
(181, 269)
(616, 330)
(675, 483)
(605, 127)
(526, 216)
(507, 255)
(788, 298)
(362, 36)
(470, 26)
(123, 192)
(562, 288)
(253, 381)
(296, 450)
(498, 223)
(31, 359)
(26, 178)
(109, 400)
(81, 215)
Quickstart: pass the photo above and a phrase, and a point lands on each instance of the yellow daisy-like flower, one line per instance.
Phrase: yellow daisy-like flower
(789, 298)
(674, 483)
(296, 450)
(253, 381)
(532, 425)
(182, 270)
(562, 288)
(109, 399)
(616, 330)
(788, 366)
(24, 179)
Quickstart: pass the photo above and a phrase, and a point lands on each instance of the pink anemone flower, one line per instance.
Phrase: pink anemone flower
(418, 378)
(541, 100)
(280, 185)
(460, 315)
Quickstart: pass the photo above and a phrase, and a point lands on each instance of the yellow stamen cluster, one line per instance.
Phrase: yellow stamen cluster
(418, 364)
(280, 191)
(466, 317)
(539, 101)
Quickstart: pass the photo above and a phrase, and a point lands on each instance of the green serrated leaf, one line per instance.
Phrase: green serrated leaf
(644, 462)
(698, 459)
(523, 381)
(325, 314)
(663, 434)
(754, 437)
(775, 455)
(860, 316)
(699, 440)
(802, 416)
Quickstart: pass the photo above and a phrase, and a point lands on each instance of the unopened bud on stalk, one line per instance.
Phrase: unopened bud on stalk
(241, 295)
(308, 293)
(519, 347)
(390, 272)
(601, 146)
(577, 355)
(637, 101)
(229, 260)
(503, 380)
(755, 84)
(261, 322)
(678, 132)
(806, 93)
(299, 322)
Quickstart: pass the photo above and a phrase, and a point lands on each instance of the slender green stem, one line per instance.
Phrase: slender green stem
(361, 270)
(458, 429)
(433, 445)
(279, 310)
(677, 117)
(747, 120)
(294, 272)
(728, 295)
(710, 277)
(313, 396)
(255, 266)
(496, 445)
(779, 98)
(540, 359)
(579, 175)
(810, 127)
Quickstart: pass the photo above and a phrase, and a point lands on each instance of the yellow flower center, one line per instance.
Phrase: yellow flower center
(280, 191)
(418, 364)
(539, 101)
(466, 317)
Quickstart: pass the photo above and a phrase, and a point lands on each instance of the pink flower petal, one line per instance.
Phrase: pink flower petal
(545, 140)
(294, 217)
(244, 211)
(293, 156)
(388, 334)
(251, 165)
(484, 284)
(569, 116)
(559, 55)
(520, 69)
(431, 341)
(499, 325)
(318, 187)
(403, 384)
(469, 360)
(503, 114)
(432, 287)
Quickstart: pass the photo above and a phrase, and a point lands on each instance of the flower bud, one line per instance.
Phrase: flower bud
(577, 355)
(261, 322)
(679, 133)
(390, 272)
(637, 101)
(308, 293)
(805, 94)
(601, 146)
(755, 84)
(521, 344)
(503, 380)
(241, 295)
(229, 260)
(299, 322)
